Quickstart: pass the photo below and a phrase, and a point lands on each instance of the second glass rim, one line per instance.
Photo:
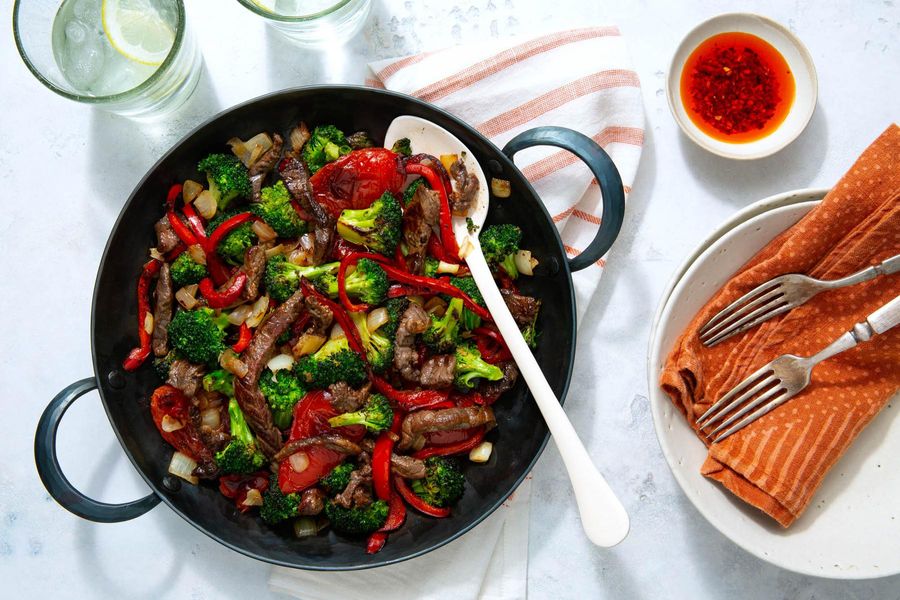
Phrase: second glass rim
(256, 8)
(127, 94)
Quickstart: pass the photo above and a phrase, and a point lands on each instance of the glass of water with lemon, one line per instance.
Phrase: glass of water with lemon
(131, 57)
(313, 22)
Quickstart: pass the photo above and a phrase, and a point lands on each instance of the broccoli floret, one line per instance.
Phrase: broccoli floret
(431, 266)
(326, 144)
(185, 271)
(331, 363)
(220, 381)
(402, 146)
(282, 391)
(470, 366)
(468, 320)
(278, 506)
(357, 521)
(378, 227)
(282, 277)
(336, 481)
(234, 245)
(198, 335)
(500, 244)
(162, 364)
(410, 191)
(530, 332)
(443, 332)
(227, 176)
(241, 454)
(376, 415)
(443, 485)
(360, 140)
(368, 283)
(379, 344)
(276, 210)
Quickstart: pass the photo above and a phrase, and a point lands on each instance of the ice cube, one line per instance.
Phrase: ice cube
(84, 56)
(88, 11)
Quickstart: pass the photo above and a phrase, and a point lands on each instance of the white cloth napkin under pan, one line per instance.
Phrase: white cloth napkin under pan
(581, 79)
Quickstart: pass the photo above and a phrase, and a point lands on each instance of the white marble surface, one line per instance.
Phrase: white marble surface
(66, 170)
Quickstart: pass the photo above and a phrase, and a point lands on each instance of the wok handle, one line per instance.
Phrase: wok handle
(51, 473)
(603, 168)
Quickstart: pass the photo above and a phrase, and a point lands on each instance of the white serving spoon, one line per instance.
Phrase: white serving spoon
(602, 515)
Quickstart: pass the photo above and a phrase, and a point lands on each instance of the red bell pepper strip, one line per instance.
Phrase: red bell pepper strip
(226, 227)
(340, 315)
(400, 258)
(350, 259)
(494, 351)
(216, 299)
(409, 400)
(417, 503)
(174, 252)
(244, 336)
(195, 222)
(398, 291)
(138, 355)
(450, 449)
(181, 230)
(439, 252)
(396, 517)
(448, 239)
(375, 542)
(172, 195)
(435, 286)
(381, 458)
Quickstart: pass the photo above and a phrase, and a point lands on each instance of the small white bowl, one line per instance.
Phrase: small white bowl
(793, 51)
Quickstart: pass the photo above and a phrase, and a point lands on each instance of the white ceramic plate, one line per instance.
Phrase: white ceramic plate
(852, 528)
(793, 51)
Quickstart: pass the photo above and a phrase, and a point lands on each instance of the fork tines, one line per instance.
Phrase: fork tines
(751, 309)
(760, 388)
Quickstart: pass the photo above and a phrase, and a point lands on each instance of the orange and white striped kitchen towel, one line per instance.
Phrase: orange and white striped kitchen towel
(581, 79)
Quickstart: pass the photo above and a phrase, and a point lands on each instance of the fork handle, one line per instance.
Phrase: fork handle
(878, 322)
(888, 266)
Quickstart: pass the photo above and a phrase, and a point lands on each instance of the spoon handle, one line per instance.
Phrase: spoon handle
(602, 515)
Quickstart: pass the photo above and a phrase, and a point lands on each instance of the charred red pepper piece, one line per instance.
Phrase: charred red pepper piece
(449, 449)
(232, 294)
(169, 401)
(236, 487)
(417, 503)
(409, 400)
(357, 179)
(448, 239)
(245, 334)
(138, 355)
(491, 345)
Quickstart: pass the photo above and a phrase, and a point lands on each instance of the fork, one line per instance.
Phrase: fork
(778, 296)
(785, 377)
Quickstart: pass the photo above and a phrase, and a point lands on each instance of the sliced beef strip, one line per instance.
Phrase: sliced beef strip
(420, 217)
(345, 399)
(216, 438)
(357, 492)
(447, 419)
(462, 198)
(321, 316)
(413, 322)
(257, 354)
(402, 465)
(162, 312)
(299, 136)
(166, 238)
(523, 308)
(185, 376)
(493, 389)
(254, 267)
(263, 166)
(332, 441)
(312, 502)
(438, 371)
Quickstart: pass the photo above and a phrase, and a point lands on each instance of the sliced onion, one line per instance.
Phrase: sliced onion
(436, 305)
(155, 253)
(240, 314)
(210, 418)
(299, 461)
(466, 248)
(231, 363)
(263, 231)
(481, 453)
(416, 300)
(280, 361)
(448, 159)
(337, 332)
(183, 466)
(148, 322)
(170, 424)
(186, 296)
(254, 498)
(257, 311)
(205, 203)
(444, 267)
(307, 344)
(279, 249)
(525, 263)
(191, 190)
(500, 188)
(250, 151)
(305, 527)
(377, 318)
(198, 255)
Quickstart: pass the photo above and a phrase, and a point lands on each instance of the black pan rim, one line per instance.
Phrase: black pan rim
(561, 259)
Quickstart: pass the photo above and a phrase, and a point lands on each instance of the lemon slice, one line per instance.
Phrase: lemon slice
(136, 31)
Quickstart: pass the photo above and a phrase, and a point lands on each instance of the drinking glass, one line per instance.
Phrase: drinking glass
(313, 22)
(135, 58)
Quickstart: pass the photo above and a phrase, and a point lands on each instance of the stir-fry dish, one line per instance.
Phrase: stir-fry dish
(325, 356)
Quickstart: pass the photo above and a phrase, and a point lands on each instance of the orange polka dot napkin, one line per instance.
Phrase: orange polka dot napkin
(778, 462)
